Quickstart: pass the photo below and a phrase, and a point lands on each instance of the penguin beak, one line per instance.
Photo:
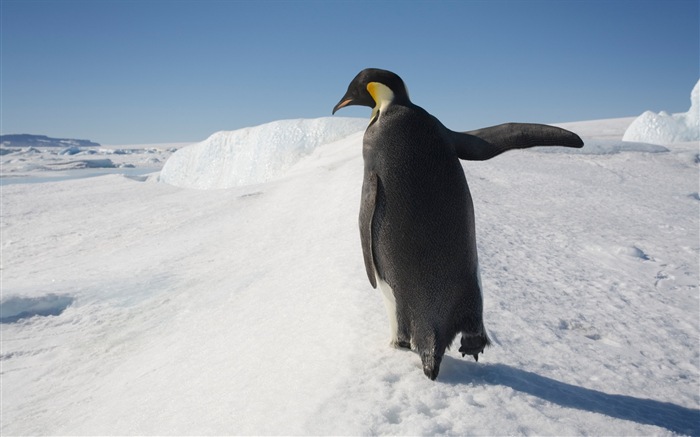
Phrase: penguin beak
(343, 103)
(356, 95)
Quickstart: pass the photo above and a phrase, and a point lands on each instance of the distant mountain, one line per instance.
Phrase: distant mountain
(27, 140)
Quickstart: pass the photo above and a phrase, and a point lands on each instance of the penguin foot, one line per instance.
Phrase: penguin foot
(403, 344)
(473, 345)
(400, 345)
(431, 365)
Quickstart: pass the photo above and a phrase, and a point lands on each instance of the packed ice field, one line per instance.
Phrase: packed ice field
(219, 288)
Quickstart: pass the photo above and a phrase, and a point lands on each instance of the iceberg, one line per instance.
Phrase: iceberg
(663, 128)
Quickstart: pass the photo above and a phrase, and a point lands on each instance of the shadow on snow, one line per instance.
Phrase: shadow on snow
(673, 417)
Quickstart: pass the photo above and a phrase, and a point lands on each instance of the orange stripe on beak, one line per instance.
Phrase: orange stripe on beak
(342, 104)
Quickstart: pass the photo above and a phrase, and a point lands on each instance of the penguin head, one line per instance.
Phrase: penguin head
(374, 88)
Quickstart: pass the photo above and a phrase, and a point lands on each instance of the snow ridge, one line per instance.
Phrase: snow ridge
(255, 154)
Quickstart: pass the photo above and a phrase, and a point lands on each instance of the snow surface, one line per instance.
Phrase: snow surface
(667, 128)
(254, 154)
(171, 311)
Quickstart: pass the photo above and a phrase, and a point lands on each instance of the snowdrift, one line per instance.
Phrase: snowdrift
(255, 154)
(665, 128)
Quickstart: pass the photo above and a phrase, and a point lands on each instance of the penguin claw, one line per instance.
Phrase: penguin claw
(471, 351)
(473, 345)
(476, 356)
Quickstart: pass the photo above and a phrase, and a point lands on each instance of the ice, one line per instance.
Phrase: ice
(73, 150)
(141, 308)
(82, 163)
(15, 308)
(37, 163)
(663, 128)
(255, 154)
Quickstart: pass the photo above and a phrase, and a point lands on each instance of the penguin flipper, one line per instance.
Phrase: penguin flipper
(369, 198)
(483, 144)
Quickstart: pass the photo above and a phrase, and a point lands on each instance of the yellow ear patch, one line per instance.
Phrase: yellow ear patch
(382, 95)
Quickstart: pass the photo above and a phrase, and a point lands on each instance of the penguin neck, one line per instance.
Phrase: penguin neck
(383, 97)
(376, 111)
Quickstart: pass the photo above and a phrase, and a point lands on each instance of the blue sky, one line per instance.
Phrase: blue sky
(126, 72)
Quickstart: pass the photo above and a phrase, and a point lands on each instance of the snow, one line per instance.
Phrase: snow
(131, 306)
(666, 128)
(255, 154)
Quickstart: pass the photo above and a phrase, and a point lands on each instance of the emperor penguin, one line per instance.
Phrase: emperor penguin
(417, 218)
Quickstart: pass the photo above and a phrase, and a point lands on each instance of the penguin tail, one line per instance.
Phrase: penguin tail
(431, 365)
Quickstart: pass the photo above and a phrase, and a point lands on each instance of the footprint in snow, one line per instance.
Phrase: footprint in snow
(634, 252)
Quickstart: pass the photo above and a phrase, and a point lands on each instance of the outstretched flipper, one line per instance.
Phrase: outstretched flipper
(369, 198)
(483, 144)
